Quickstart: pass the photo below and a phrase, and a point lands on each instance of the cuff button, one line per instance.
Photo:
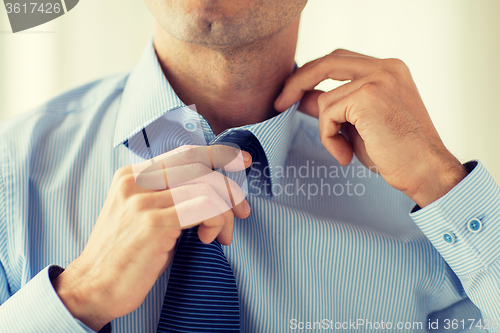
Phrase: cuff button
(474, 225)
(449, 237)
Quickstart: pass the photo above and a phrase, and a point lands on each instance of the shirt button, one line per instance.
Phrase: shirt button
(449, 237)
(474, 225)
(190, 126)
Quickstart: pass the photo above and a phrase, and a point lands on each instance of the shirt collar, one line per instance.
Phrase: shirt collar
(147, 96)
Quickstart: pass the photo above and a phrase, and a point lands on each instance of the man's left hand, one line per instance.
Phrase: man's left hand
(380, 117)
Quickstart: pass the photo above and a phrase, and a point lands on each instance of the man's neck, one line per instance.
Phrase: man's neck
(230, 86)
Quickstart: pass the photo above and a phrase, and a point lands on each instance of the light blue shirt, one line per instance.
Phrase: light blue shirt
(334, 247)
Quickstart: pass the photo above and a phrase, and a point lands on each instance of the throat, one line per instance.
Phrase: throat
(230, 86)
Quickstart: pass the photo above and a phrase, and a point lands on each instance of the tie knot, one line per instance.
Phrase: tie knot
(258, 173)
(244, 140)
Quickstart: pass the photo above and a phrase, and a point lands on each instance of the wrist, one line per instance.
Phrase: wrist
(437, 177)
(78, 298)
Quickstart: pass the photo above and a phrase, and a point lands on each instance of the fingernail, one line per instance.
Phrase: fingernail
(246, 206)
(246, 156)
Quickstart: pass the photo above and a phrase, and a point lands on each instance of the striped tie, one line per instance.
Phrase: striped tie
(201, 293)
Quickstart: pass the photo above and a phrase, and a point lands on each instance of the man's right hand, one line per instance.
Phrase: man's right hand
(134, 238)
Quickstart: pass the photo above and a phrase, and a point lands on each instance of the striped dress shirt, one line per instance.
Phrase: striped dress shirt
(333, 249)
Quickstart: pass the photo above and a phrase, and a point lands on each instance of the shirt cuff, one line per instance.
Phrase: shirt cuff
(36, 307)
(464, 224)
(54, 272)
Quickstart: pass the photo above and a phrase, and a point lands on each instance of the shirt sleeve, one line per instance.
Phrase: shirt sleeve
(464, 226)
(36, 307)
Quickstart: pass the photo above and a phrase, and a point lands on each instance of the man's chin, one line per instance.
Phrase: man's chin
(213, 34)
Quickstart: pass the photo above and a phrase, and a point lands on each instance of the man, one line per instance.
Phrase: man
(306, 256)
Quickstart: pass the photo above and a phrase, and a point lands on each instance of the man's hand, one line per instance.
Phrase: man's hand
(383, 117)
(134, 238)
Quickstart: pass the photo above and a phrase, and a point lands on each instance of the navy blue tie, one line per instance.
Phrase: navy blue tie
(258, 175)
(201, 294)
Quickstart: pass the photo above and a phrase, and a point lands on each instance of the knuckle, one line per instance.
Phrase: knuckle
(397, 65)
(173, 233)
(386, 78)
(338, 51)
(369, 90)
(382, 75)
(126, 185)
(171, 223)
(121, 172)
(154, 219)
(139, 202)
(324, 139)
(323, 101)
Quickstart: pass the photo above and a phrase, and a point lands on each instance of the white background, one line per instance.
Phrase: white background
(451, 46)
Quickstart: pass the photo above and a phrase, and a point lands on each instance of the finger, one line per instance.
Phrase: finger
(208, 234)
(165, 219)
(185, 193)
(220, 227)
(334, 67)
(156, 200)
(228, 157)
(359, 148)
(242, 209)
(165, 199)
(225, 237)
(309, 103)
(314, 101)
(171, 197)
(169, 177)
(216, 156)
(193, 208)
(343, 52)
(196, 173)
(336, 144)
